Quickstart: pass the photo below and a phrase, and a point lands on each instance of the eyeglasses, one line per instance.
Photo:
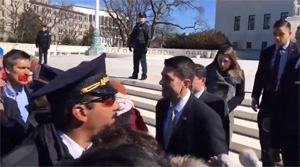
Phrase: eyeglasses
(107, 100)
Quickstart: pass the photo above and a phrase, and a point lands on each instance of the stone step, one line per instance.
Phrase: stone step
(156, 94)
(151, 130)
(245, 113)
(241, 142)
(245, 127)
(241, 112)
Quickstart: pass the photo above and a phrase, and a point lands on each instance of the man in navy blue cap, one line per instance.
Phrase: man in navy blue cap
(140, 39)
(82, 101)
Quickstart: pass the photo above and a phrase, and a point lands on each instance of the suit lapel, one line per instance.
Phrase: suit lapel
(270, 55)
(203, 96)
(293, 52)
(162, 111)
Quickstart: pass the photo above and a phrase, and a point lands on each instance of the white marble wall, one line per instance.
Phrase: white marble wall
(226, 10)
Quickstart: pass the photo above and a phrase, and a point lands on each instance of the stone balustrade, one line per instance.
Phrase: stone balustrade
(67, 49)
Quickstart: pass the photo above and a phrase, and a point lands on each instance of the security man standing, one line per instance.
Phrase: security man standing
(140, 39)
(43, 41)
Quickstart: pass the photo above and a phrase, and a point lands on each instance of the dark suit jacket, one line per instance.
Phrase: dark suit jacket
(13, 135)
(43, 148)
(263, 74)
(219, 106)
(198, 132)
(12, 111)
(285, 130)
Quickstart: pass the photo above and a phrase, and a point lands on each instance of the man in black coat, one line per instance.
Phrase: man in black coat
(12, 126)
(285, 116)
(184, 124)
(140, 39)
(43, 41)
(213, 101)
(82, 101)
(272, 64)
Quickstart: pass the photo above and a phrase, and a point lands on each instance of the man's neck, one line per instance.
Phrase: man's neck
(175, 101)
(81, 138)
(199, 90)
(14, 85)
(284, 45)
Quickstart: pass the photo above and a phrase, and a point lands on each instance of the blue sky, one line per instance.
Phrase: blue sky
(183, 18)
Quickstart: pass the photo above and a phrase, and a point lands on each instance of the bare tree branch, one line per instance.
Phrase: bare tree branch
(178, 26)
(124, 12)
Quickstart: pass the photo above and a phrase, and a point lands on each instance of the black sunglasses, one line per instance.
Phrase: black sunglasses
(107, 100)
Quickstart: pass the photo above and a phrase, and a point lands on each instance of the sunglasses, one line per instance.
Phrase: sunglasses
(107, 100)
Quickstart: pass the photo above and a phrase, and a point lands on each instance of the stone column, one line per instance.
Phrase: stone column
(96, 48)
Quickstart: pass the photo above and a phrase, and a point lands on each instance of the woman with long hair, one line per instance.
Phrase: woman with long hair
(225, 78)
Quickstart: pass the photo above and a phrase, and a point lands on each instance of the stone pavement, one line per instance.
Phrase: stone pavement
(123, 67)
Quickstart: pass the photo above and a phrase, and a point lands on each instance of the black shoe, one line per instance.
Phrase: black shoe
(132, 77)
(143, 78)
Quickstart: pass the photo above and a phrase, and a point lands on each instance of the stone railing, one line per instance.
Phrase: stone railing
(66, 49)
(54, 49)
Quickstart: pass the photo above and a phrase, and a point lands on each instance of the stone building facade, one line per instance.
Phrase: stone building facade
(248, 23)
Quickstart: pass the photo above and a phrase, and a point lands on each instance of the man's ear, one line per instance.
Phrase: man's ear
(203, 79)
(187, 83)
(79, 112)
(7, 70)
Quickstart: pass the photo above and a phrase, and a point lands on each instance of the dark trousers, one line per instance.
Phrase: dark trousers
(265, 137)
(290, 155)
(139, 55)
(43, 51)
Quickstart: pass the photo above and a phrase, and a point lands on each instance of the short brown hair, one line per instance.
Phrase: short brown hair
(200, 71)
(183, 65)
(9, 59)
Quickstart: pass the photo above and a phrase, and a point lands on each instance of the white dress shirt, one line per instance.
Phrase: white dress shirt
(198, 94)
(180, 105)
(74, 149)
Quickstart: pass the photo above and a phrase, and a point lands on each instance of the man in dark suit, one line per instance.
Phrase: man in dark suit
(184, 124)
(272, 64)
(213, 101)
(285, 116)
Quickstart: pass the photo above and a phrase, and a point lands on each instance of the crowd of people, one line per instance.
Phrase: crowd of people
(80, 117)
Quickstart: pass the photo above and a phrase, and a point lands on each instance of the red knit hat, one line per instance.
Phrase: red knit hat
(121, 88)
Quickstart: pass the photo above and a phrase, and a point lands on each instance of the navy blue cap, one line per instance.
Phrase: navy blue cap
(142, 14)
(46, 73)
(43, 75)
(85, 78)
